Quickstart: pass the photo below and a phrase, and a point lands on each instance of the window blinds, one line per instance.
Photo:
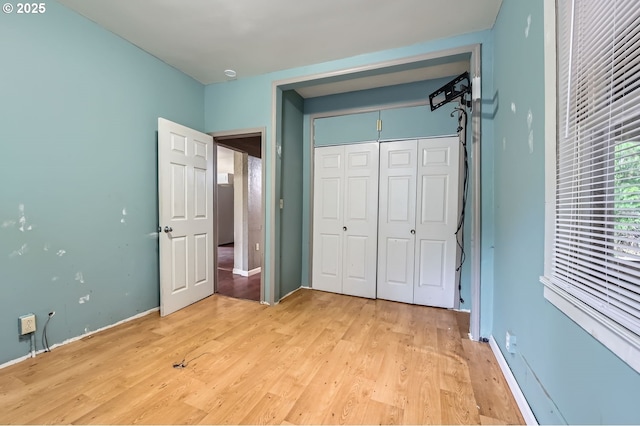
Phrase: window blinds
(596, 256)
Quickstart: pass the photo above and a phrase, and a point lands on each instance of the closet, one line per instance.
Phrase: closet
(385, 213)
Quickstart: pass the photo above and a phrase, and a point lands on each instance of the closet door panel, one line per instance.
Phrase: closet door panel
(437, 220)
(327, 219)
(397, 209)
(360, 219)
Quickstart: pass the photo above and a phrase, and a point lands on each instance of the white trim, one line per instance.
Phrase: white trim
(476, 199)
(82, 336)
(290, 293)
(523, 405)
(622, 342)
(249, 273)
(550, 130)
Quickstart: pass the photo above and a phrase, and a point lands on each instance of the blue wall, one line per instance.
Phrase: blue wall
(565, 374)
(78, 121)
(291, 191)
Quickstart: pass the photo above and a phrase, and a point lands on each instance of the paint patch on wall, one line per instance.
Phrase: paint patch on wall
(526, 30)
(513, 107)
(46, 247)
(84, 299)
(54, 279)
(22, 218)
(529, 124)
(79, 277)
(504, 144)
(22, 250)
(152, 235)
(124, 213)
(60, 253)
(8, 223)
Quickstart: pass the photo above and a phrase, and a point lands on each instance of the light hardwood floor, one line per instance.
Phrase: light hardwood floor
(314, 358)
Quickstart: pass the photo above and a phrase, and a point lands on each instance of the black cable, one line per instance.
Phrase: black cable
(462, 129)
(45, 340)
(184, 364)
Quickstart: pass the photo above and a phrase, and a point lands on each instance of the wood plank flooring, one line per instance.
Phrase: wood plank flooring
(315, 358)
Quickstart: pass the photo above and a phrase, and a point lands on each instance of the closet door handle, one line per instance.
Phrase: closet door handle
(344, 228)
(413, 231)
(168, 229)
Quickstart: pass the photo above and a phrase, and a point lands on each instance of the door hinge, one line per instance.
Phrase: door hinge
(281, 203)
(379, 125)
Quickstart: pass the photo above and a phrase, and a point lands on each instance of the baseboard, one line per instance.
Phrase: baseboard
(289, 294)
(523, 405)
(82, 336)
(244, 273)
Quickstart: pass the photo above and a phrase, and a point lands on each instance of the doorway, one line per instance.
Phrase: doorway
(239, 215)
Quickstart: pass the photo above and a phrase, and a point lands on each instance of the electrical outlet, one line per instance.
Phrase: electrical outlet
(27, 324)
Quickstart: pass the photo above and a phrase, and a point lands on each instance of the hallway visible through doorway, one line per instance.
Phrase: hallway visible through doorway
(234, 285)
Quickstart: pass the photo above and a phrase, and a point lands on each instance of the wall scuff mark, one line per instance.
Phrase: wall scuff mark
(84, 299)
(79, 277)
(22, 250)
(529, 124)
(526, 30)
(60, 253)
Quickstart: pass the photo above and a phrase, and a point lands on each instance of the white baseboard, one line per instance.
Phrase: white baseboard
(523, 405)
(244, 273)
(82, 336)
(289, 294)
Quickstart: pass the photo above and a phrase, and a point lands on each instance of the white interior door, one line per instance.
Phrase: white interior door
(185, 195)
(436, 221)
(360, 219)
(396, 241)
(328, 181)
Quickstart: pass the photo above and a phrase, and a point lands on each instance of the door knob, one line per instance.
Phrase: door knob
(168, 229)
(344, 228)
(413, 231)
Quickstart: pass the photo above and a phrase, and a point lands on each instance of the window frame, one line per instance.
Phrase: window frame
(620, 340)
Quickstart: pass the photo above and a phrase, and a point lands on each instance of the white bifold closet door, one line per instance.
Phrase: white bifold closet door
(345, 217)
(419, 197)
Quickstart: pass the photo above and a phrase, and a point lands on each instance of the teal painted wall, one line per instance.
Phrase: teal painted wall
(247, 103)
(290, 256)
(566, 375)
(78, 121)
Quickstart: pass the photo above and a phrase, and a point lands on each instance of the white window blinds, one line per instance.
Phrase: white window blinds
(596, 250)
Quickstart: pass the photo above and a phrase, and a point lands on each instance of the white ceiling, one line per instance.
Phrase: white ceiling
(202, 38)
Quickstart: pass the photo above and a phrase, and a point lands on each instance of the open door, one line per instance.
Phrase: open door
(185, 196)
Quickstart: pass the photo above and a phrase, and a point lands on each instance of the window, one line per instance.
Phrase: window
(592, 259)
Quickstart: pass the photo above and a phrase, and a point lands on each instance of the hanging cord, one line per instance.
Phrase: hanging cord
(462, 134)
(45, 340)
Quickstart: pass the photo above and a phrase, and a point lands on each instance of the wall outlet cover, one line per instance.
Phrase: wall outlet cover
(27, 324)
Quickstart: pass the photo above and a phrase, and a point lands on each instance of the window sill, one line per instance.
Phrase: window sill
(618, 339)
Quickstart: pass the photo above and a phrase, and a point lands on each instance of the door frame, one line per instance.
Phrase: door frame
(475, 67)
(255, 131)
